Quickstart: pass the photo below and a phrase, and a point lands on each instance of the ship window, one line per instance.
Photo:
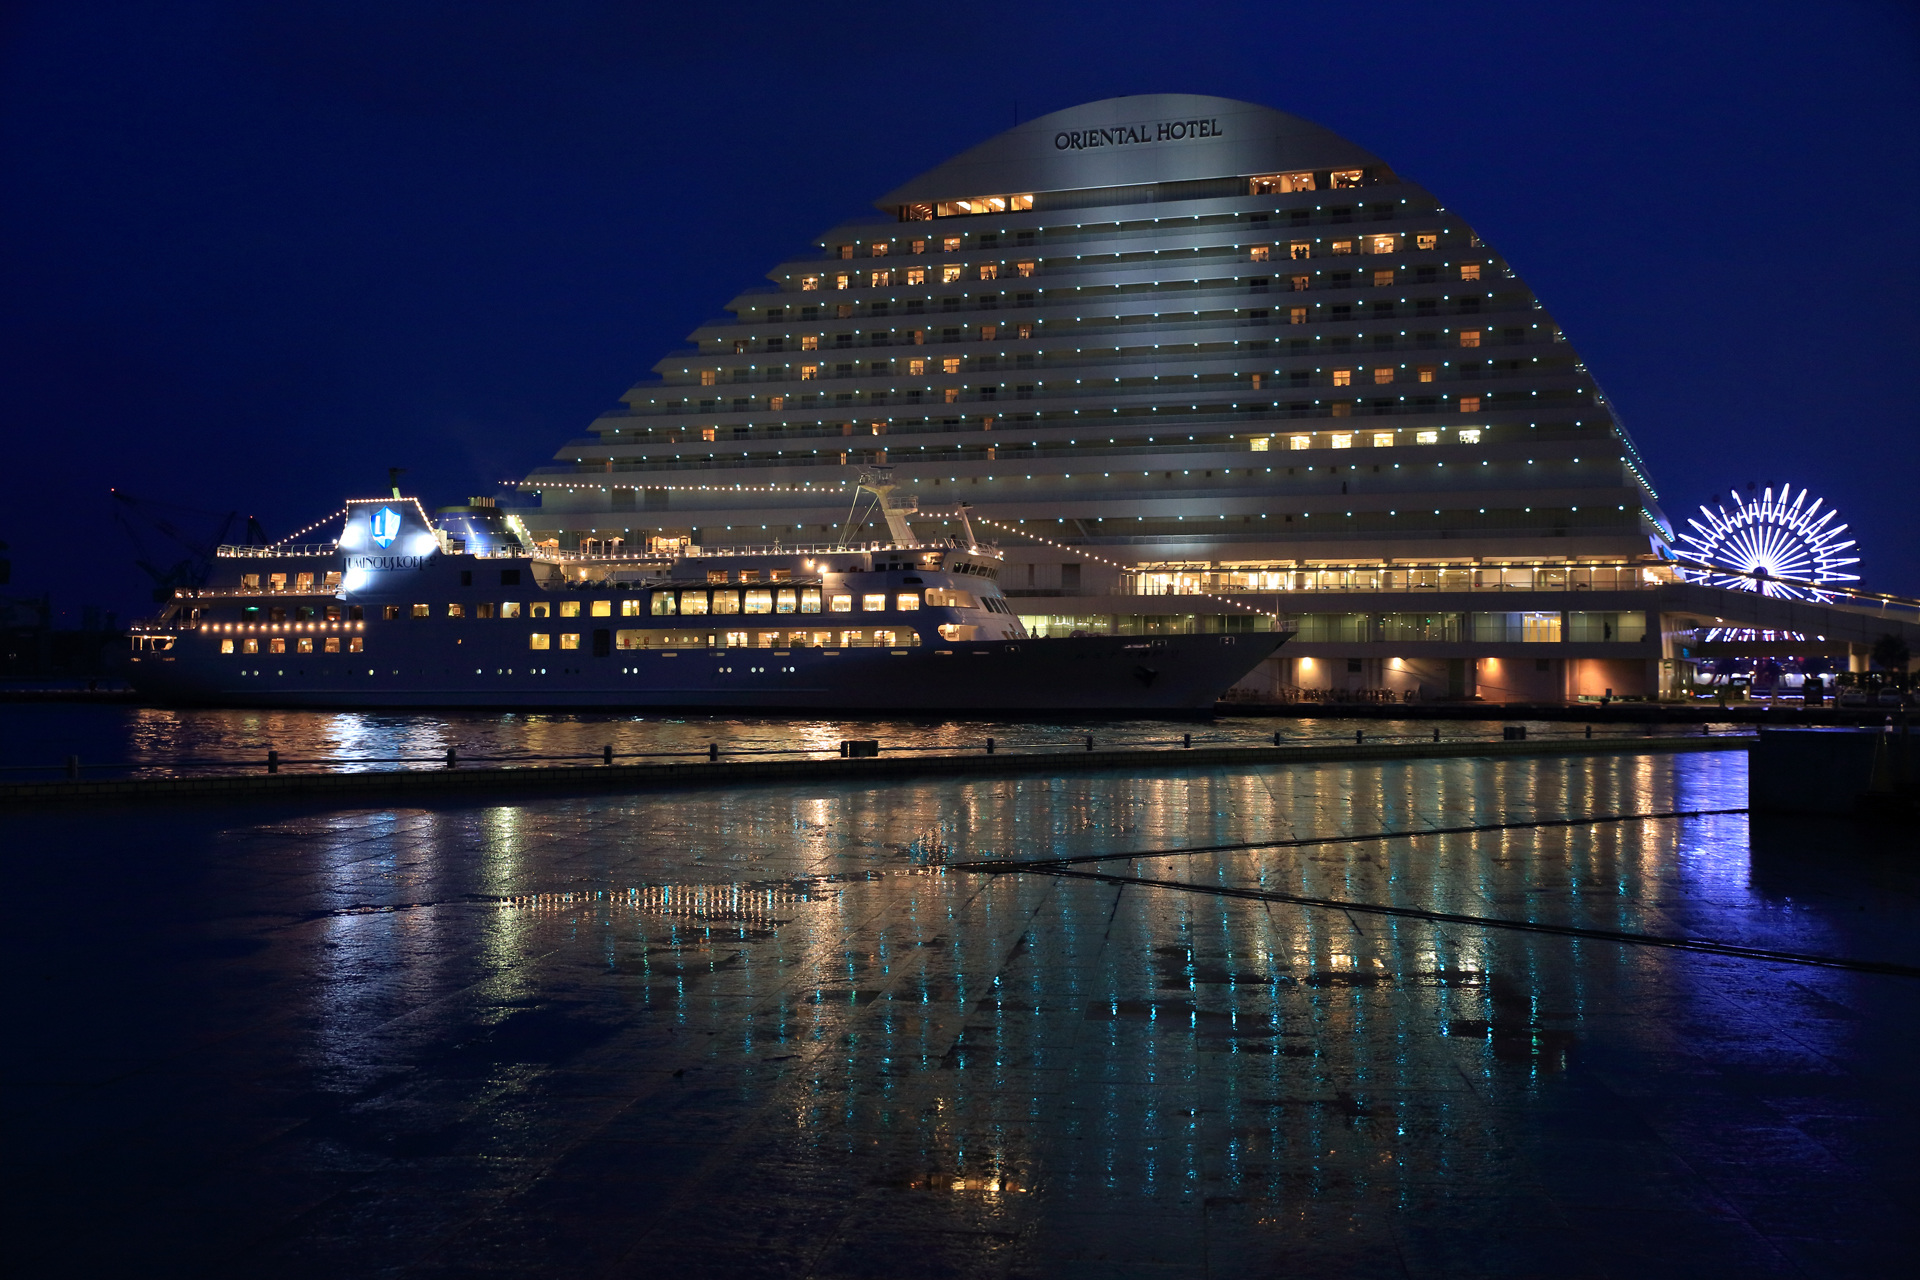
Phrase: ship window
(277, 582)
(540, 640)
(810, 600)
(226, 646)
(726, 602)
(838, 603)
(849, 639)
(662, 603)
(570, 640)
(277, 645)
(569, 608)
(749, 575)
(1426, 240)
(785, 601)
(846, 251)
(693, 602)
(455, 611)
(909, 600)
(540, 609)
(510, 609)
(1469, 435)
(1426, 437)
(759, 602)
(509, 577)
(716, 575)
(249, 646)
(629, 608)
(303, 582)
(1340, 179)
(1343, 377)
(1470, 271)
(355, 644)
(1381, 377)
(602, 608)
(333, 644)
(422, 610)
(811, 342)
(1341, 409)
(736, 640)
(390, 613)
(1342, 246)
(249, 582)
(873, 603)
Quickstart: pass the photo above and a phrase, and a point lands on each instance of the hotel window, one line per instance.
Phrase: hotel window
(1300, 283)
(1025, 270)
(354, 644)
(1426, 240)
(776, 403)
(759, 601)
(839, 603)
(1262, 444)
(881, 279)
(709, 376)
(842, 281)
(919, 246)
(1341, 409)
(950, 364)
(1342, 179)
(808, 372)
(570, 640)
(811, 342)
(950, 244)
(1261, 253)
(1382, 244)
(809, 599)
(1383, 439)
(916, 275)
(1381, 279)
(1381, 377)
(277, 645)
(949, 273)
(455, 611)
(846, 251)
(569, 608)
(1469, 337)
(422, 611)
(539, 609)
(1256, 382)
(988, 332)
(873, 604)
(1469, 435)
(226, 646)
(989, 271)
(909, 600)
(1343, 442)
(1470, 271)
(1300, 442)
(333, 644)
(629, 608)
(1342, 247)
(1343, 377)
(726, 602)
(916, 367)
(1427, 372)
(249, 646)
(1296, 315)
(1023, 331)
(809, 283)
(785, 600)
(709, 433)
(952, 395)
(879, 250)
(1469, 404)
(919, 337)
(1280, 183)
(602, 608)
(1300, 251)
(1426, 437)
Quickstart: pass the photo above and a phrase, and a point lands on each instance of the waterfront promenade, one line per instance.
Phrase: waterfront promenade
(779, 1029)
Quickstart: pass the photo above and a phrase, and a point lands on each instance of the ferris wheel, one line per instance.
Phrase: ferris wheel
(1769, 538)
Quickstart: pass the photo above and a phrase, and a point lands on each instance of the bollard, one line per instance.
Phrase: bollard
(1186, 740)
(1436, 733)
(1359, 736)
(273, 761)
(606, 754)
(713, 751)
(1589, 731)
(73, 768)
(1089, 742)
(1276, 737)
(989, 746)
(452, 757)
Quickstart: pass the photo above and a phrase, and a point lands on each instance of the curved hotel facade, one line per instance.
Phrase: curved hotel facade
(1191, 362)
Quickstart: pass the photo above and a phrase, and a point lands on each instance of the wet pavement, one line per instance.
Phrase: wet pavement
(764, 1032)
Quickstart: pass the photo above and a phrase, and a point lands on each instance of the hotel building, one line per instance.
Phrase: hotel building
(1194, 364)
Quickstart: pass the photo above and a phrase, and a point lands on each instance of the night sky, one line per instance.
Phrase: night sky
(253, 255)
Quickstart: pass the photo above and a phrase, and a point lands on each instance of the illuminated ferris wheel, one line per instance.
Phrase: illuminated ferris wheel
(1770, 538)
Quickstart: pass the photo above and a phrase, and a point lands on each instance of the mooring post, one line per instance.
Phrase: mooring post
(1436, 733)
(452, 757)
(73, 768)
(1276, 737)
(1359, 736)
(989, 746)
(1089, 742)
(273, 760)
(713, 751)
(606, 754)
(1186, 740)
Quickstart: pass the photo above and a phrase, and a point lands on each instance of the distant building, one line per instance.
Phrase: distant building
(1192, 362)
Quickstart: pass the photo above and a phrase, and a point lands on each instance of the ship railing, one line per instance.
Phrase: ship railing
(760, 549)
(284, 549)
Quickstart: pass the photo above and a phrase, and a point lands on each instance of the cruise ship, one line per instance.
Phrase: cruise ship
(403, 609)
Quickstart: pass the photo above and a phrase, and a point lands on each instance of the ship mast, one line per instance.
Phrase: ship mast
(879, 482)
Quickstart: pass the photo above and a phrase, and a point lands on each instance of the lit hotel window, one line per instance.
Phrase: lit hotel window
(1471, 271)
(709, 376)
(989, 271)
(1261, 252)
(1024, 269)
(950, 244)
(1469, 337)
(808, 372)
(919, 246)
(842, 281)
(1023, 331)
(1469, 435)
(1256, 382)
(1300, 442)
(952, 395)
(1382, 278)
(1342, 246)
(1280, 183)
(987, 332)
(846, 251)
(1343, 377)
(1301, 283)
(916, 367)
(1426, 240)
(881, 279)
(1427, 372)
(708, 433)
(1341, 409)
(1297, 315)
(811, 342)
(950, 364)
(1383, 439)
(916, 275)
(949, 273)
(1341, 179)
(776, 403)
(1382, 376)
(1426, 437)
(1343, 442)
(809, 283)
(1469, 404)
(1383, 244)
(1262, 444)
(1300, 251)
(879, 251)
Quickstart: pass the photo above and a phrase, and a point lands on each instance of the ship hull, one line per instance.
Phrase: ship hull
(1091, 674)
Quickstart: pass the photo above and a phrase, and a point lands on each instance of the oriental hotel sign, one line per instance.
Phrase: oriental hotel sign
(1128, 135)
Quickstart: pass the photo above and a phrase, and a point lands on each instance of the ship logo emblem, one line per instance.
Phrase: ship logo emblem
(386, 525)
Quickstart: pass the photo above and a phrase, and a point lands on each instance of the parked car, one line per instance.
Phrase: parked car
(1890, 697)
(1852, 696)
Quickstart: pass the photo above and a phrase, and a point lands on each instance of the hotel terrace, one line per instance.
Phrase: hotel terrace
(1197, 365)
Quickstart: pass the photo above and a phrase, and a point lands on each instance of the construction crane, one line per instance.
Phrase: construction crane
(162, 531)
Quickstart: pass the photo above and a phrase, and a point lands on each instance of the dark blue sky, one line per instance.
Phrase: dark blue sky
(252, 255)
